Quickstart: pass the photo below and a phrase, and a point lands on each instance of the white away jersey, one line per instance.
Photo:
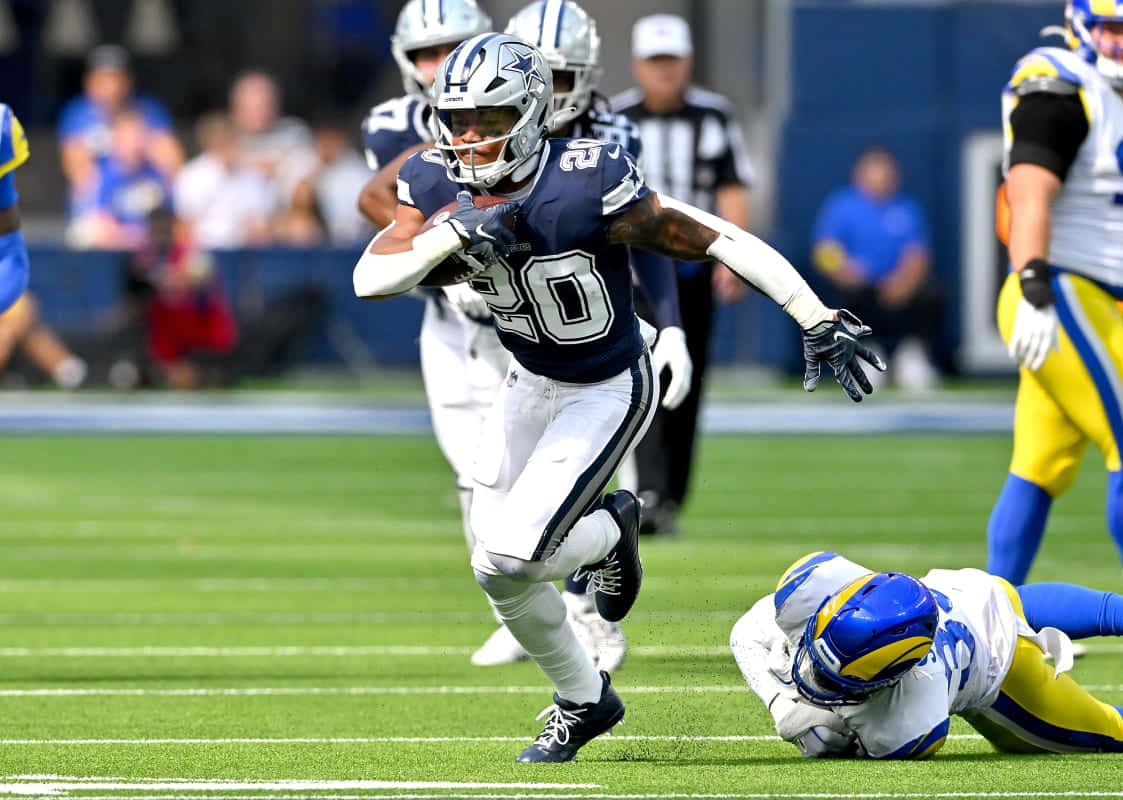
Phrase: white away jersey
(1087, 214)
(973, 650)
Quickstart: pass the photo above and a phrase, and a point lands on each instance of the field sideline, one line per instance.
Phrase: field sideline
(213, 617)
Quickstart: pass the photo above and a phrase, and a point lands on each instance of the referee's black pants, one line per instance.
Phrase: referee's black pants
(665, 455)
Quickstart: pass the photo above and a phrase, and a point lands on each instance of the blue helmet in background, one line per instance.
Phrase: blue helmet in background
(1081, 16)
(865, 637)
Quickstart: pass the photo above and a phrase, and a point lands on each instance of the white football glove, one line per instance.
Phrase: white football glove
(468, 300)
(817, 732)
(1034, 335)
(670, 352)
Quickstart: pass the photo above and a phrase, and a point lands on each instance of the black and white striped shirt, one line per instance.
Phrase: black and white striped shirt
(691, 152)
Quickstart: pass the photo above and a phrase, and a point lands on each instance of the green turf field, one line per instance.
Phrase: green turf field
(188, 617)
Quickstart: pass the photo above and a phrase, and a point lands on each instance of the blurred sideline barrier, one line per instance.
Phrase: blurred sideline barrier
(78, 289)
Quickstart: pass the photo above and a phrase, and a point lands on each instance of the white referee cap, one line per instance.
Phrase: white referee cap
(661, 35)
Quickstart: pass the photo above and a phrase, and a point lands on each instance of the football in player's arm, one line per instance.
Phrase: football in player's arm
(14, 151)
(853, 663)
(398, 258)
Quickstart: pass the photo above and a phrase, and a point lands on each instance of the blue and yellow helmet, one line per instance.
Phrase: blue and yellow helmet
(1081, 18)
(865, 637)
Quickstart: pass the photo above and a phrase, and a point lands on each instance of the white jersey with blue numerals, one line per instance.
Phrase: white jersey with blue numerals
(1087, 213)
(974, 647)
(562, 299)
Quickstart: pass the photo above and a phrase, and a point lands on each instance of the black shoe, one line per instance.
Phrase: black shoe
(615, 579)
(571, 725)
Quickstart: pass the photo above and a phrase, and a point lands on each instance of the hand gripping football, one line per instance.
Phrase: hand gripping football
(453, 269)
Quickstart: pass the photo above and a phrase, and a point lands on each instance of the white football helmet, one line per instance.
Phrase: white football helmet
(1081, 16)
(567, 37)
(426, 23)
(492, 70)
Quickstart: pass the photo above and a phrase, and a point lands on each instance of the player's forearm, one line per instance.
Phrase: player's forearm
(1030, 190)
(377, 202)
(751, 641)
(388, 268)
(758, 264)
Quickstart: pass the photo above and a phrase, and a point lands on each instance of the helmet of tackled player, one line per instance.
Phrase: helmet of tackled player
(864, 637)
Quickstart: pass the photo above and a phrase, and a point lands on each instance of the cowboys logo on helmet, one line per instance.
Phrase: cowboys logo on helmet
(429, 23)
(504, 78)
(567, 37)
(865, 637)
(1082, 18)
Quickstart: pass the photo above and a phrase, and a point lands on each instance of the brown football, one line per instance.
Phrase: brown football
(452, 269)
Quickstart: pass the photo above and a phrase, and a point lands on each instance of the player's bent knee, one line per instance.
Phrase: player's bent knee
(503, 576)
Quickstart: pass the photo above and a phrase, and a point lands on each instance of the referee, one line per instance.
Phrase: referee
(693, 151)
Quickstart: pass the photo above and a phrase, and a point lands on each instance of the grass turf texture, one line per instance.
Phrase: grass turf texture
(141, 577)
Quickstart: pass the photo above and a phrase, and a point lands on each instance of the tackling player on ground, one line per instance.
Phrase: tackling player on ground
(580, 389)
(1063, 115)
(852, 663)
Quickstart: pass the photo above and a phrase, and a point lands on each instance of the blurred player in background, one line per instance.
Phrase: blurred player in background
(567, 36)
(462, 361)
(852, 663)
(1063, 114)
(553, 263)
(13, 252)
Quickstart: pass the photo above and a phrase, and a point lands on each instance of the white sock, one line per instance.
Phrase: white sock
(590, 539)
(536, 617)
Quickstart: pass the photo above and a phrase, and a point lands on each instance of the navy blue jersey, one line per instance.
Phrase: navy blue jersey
(562, 299)
(609, 127)
(394, 126)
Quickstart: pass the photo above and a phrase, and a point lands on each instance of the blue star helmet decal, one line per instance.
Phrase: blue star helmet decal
(518, 59)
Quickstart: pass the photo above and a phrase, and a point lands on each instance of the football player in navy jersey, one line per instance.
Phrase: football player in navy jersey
(567, 37)
(552, 263)
(462, 360)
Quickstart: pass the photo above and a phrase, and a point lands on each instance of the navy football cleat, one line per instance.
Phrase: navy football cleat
(571, 725)
(615, 580)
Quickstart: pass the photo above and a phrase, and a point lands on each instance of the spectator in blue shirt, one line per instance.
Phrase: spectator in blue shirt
(127, 187)
(871, 240)
(84, 125)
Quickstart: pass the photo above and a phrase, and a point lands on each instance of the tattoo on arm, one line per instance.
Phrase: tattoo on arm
(649, 226)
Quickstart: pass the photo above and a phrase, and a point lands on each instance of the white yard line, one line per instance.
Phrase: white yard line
(258, 619)
(328, 651)
(392, 790)
(62, 787)
(311, 651)
(305, 691)
(396, 740)
(327, 691)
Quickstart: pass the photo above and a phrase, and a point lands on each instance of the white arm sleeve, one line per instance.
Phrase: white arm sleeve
(762, 652)
(759, 264)
(393, 273)
(756, 641)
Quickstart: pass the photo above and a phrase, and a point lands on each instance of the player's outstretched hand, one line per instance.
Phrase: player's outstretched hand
(483, 229)
(836, 342)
